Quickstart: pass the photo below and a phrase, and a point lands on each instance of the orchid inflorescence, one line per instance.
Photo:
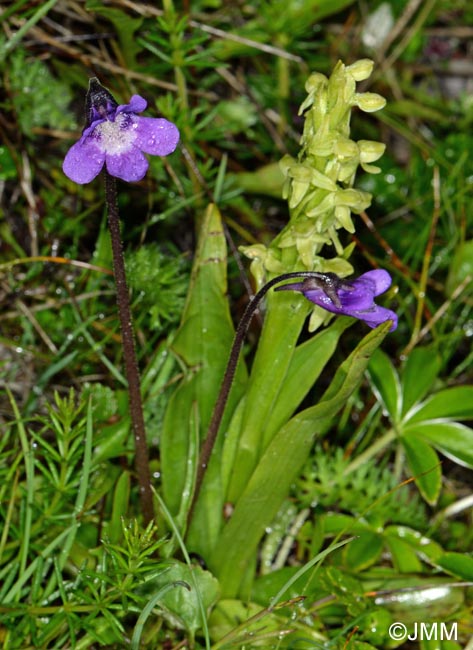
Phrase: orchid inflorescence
(319, 183)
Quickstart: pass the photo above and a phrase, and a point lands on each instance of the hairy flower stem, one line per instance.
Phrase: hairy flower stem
(129, 353)
(229, 375)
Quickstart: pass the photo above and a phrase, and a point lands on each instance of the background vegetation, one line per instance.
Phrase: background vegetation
(77, 569)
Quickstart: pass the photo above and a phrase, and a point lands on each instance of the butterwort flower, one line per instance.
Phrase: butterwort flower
(348, 297)
(115, 136)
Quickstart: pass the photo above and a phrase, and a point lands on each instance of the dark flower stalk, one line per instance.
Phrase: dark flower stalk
(129, 353)
(345, 297)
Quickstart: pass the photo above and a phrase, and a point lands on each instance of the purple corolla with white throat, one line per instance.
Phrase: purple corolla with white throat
(115, 136)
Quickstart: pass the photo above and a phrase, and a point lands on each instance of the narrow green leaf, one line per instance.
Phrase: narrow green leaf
(83, 488)
(158, 371)
(203, 343)
(385, 383)
(307, 567)
(453, 439)
(121, 498)
(176, 442)
(278, 467)
(451, 403)
(363, 551)
(206, 333)
(459, 564)
(28, 457)
(148, 608)
(112, 441)
(15, 591)
(419, 373)
(424, 465)
(284, 319)
(230, 445)
(18, 34)
(191, 468)
(404, 556)
(308, 361)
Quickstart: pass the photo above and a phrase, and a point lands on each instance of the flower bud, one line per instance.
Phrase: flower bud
(370, 150)
(299, 190)
(322, 181)
(343, 217)
(313, 83)
(356, 200)
(316, 89)
(369, 102)
(306, 250)
(347, 171)
(99, 103)
(345, 148)
(361, 70)
(321, 206)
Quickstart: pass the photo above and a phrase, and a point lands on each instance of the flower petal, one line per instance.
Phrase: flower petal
(90, 129)
(137, 104)
(129, 166)
(365, 288)
(377, 316)
(83, 161)
(380, 278)
(156, 136)
(361, 297)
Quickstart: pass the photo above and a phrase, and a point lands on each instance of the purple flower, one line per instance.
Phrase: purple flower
(117, 137)
(349, 297)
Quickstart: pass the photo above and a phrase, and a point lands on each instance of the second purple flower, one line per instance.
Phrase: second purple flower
(349, 297)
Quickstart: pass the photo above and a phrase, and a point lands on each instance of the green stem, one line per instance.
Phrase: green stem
(373, 450)
(129, 353)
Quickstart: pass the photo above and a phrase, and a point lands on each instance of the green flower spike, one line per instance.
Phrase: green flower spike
(319, 183)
